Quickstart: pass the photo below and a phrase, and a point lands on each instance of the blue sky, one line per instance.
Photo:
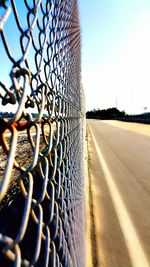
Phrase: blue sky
(116, 53)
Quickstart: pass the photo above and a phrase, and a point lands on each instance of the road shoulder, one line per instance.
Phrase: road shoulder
(139, 128)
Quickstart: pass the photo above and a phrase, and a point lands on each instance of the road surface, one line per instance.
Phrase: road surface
(119, 165)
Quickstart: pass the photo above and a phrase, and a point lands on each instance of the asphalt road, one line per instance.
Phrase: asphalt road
(119, 165)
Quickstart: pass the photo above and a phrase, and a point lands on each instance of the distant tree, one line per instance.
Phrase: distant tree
(105, 114)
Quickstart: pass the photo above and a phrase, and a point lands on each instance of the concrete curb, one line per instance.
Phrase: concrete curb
(88, 212)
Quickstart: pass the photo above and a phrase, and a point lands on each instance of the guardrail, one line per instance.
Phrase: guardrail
(42, 220)
(136, 119)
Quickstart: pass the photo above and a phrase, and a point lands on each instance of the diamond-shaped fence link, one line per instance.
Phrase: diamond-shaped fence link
(42, 220)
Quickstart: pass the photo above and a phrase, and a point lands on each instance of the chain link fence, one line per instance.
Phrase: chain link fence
(42, 220)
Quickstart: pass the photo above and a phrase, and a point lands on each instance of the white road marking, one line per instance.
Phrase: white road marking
(135, 250)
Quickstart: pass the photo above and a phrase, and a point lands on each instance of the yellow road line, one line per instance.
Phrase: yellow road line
(135, 250)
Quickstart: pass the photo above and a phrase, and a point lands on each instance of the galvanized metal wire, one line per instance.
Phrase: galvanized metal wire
(41, 134)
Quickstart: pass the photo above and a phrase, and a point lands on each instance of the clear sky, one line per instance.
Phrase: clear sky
(116, 53)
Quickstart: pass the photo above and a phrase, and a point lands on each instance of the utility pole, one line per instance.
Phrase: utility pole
(116, 103)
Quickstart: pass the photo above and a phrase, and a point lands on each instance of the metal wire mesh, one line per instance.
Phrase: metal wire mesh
(41, 134)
